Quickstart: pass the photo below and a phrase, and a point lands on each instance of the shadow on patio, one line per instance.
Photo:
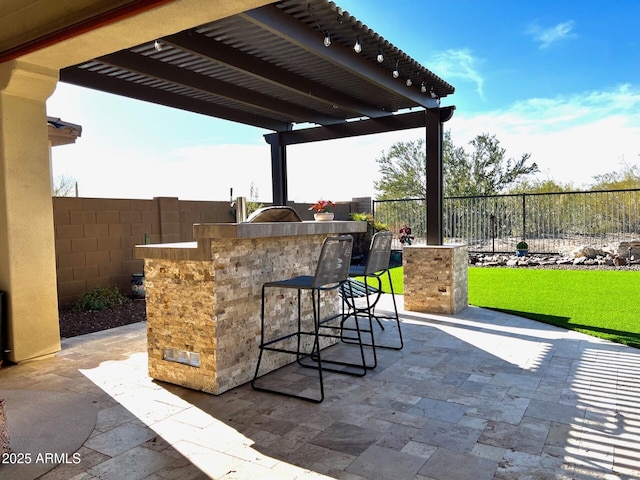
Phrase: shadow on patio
(476, 395)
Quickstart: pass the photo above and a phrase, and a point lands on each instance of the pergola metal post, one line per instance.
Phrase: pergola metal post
(278, 169)
(434, 120)
(434, 193)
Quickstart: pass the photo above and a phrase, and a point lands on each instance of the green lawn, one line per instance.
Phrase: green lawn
(602, 303)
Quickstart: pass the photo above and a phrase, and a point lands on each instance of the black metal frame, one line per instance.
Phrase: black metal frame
(377, 265)
(315, 286)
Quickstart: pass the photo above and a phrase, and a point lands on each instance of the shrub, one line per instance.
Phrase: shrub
(372, 223)
(100, 298)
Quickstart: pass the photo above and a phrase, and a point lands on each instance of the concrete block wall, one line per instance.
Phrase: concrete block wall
(95, 237)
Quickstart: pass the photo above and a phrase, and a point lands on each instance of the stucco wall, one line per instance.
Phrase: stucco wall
(95, 237)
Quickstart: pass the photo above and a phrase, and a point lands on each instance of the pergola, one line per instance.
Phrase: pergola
(304, 69)
(250, 61)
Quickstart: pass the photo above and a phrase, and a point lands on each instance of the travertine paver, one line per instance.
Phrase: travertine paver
(478, 395)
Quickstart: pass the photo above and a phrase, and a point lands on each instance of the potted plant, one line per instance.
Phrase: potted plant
(405, 235)
(406, 238)
(522, 248)
(322, 210)
(362, 241)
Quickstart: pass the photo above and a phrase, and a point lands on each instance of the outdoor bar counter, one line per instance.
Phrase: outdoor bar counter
(203, 298)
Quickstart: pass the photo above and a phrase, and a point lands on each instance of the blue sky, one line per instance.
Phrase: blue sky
(557, 79)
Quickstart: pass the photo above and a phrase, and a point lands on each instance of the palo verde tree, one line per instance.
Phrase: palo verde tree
(484, 171)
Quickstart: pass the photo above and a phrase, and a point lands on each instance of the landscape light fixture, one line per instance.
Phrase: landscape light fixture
(357, 47)
(396, 73)
(327, 40)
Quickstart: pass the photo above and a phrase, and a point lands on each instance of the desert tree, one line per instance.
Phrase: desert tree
(64, 186)
(486, 170)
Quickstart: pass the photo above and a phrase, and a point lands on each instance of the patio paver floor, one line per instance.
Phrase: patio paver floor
(480, 395)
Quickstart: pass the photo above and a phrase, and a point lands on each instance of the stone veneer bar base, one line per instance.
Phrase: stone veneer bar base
(203, 299)
(436, 278)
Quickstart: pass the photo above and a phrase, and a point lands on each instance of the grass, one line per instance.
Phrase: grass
(602, 303)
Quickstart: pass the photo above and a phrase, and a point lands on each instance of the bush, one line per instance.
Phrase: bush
(372, 223)
(100, 298)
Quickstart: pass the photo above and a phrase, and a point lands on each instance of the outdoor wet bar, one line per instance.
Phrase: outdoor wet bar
(203, 298)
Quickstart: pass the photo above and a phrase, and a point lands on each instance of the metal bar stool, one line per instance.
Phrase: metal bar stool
(331, 273)
(363, 297)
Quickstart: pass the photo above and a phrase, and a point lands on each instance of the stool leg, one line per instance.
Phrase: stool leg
(299, 355)
(370, 317)
(352, 309)
(316, 330)
(395, 311)
(375, 302)
(359, 333)
(361, 368)
(261, 346)
(371, 306)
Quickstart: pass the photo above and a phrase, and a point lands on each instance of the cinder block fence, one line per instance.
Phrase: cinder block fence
(95, 237)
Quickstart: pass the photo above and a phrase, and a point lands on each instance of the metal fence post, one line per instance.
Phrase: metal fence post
(524, 216)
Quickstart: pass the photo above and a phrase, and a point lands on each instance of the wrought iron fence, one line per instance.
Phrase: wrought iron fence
(549, 222)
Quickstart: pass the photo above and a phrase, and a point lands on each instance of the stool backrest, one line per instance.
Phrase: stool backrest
(334, 261)
(379, 253)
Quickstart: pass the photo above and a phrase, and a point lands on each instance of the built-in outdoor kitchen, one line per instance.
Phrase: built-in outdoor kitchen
(204, 297)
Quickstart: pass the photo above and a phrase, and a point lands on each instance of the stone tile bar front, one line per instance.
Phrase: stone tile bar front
(203, 298)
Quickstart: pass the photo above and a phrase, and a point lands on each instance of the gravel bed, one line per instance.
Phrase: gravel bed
(79, 323)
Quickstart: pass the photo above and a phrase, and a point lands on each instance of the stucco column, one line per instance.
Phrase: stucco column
(27, 244)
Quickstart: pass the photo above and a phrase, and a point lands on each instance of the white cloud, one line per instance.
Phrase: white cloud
(570, 138)
(550, 35)
(458, 64)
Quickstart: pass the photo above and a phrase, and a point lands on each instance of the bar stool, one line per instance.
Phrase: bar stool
(361, 298)
(331, 273)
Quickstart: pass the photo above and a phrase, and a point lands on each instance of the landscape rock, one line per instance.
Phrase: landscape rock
(619, 261)
(586, 251)
(629, 249)
(585, 257)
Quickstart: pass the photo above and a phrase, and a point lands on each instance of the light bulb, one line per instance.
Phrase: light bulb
(380, 57)
(409, 82)
(157, 45)
(433, 93)
(357, 47)
(396, 73)
(423, 88)
(327, 40)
